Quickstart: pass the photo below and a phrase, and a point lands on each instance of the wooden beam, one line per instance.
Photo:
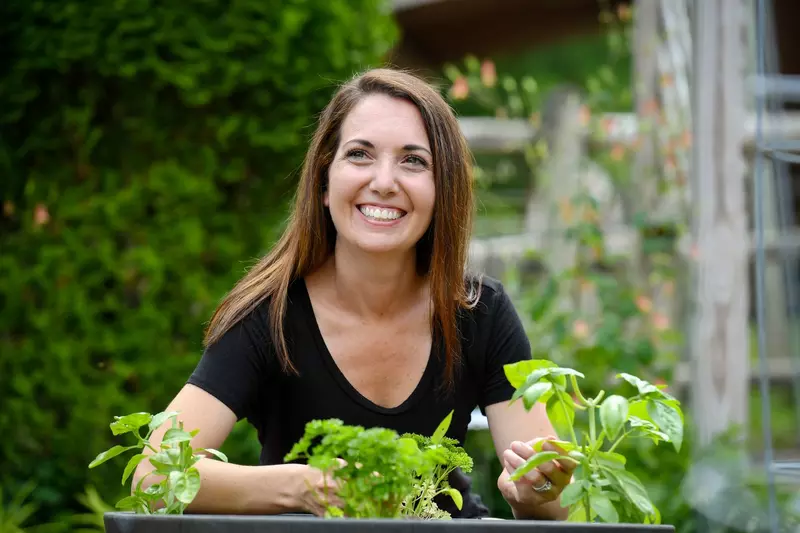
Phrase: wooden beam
(720, 340)
(488, 134)
(511, 249)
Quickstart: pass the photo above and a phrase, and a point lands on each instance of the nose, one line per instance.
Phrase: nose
(383, 181)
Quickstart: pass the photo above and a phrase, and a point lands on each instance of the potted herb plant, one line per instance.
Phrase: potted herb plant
(388, 482)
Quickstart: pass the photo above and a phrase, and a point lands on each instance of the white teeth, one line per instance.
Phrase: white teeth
(381, 214)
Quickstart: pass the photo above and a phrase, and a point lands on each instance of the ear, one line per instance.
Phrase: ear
(325, 200)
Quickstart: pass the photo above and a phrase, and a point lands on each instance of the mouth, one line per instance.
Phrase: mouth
(376, 213)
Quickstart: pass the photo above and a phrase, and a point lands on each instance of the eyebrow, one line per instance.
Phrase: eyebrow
(407, 147)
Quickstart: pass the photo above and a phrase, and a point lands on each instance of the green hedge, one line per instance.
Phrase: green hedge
(146, 153)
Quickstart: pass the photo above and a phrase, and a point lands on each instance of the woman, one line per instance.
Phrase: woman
(363, 311)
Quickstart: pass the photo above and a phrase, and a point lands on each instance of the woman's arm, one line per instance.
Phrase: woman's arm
(513, 432)
(230, 488)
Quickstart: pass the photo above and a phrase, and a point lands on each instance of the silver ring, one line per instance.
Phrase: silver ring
(544, 488)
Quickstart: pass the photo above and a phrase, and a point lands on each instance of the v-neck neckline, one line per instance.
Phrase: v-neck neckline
(419, 391)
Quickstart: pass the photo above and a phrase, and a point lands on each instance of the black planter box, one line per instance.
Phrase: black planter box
(133, 523)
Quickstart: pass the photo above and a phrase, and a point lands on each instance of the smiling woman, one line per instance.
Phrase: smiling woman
(364, 311)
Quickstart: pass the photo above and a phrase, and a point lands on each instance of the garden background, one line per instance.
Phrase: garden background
(147, 156)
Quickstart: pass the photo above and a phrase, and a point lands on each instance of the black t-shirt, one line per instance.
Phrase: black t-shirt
(242, 371)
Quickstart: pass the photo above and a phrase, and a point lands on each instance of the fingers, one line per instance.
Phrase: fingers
(559, 473)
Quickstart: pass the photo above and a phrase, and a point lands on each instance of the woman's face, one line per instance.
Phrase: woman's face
(380, 184)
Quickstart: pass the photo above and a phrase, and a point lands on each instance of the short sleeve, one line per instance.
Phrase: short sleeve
(507, 343)
(234, 368)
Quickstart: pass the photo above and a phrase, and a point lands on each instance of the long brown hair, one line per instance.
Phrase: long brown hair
(310, 235)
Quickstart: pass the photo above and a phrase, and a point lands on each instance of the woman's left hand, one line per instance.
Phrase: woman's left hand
(541, 485)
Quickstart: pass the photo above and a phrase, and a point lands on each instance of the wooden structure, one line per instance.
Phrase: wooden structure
(720, 328)
(712, 42)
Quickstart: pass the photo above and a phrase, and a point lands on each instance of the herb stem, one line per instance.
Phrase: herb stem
(592, 425)
(616, 442)
(577, 390)
(587, 504)
(566, 417)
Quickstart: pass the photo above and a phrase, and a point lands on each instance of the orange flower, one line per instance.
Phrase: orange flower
(669, 287)
(617, 152)
(585, 115)
(624, 12)
(40, 215)
(460, 88)
(580, 329)
(566, 210)
(606, 125)
(644, 303)
(660, 321)
(8, 208)
(686, 139)
(650, 107)
(488, 73)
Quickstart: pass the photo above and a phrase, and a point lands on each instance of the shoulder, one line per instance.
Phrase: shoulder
(489, 297)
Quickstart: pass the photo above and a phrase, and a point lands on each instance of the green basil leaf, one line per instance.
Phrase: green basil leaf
(458, 499)
(561, 412)
(613, 414)
(102, 457)
(573, 493)
(131, 466)
(534, 461)
(440, 432)
(668, 420)
(537, 392)
(160, 418)
(129, 423)
(603, 507)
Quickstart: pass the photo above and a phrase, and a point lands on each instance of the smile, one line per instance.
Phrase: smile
(381, 213)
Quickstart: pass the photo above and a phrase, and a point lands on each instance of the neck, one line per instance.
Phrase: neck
(372, 285)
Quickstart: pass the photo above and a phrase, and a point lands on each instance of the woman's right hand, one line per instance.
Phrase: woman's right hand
(315, 491)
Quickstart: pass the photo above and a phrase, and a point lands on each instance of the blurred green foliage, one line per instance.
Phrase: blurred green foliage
(147, 151)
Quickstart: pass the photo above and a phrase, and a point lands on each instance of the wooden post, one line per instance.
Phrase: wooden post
(559, 179)
(720, 339)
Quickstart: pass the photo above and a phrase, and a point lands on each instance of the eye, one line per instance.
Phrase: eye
(356, 153)
(417, 161)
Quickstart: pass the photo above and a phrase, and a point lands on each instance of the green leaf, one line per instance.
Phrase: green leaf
(185, 485)
(175, 436)
(668, 420)
(645, 388)
(131, 466)
(603, 507)
(518, 373)
(216, 453)
(632, 488)
(610, 459)
(572, 493)
(110, 454)
(129, 423)
(534, 461)
(613, 414)
(160, 418)
(537, 392)
(167, 460)
(458, 499)
(132, 503)
(440, 432)
(648, 428)
(561, 412)
(565, 445)
(578, 513)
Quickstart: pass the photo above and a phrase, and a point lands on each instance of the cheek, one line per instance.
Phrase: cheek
(426, 197)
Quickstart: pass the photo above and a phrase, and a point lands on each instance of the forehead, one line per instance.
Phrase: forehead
(382, 118)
